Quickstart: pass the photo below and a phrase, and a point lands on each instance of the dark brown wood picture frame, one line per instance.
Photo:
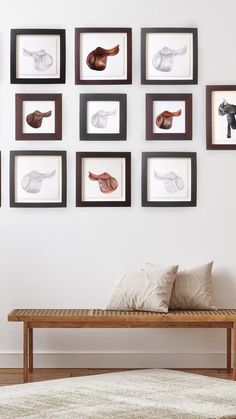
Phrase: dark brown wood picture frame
(19, 102)
(16, 79)
(103, 136)
(164, 134)
(192, 79)
(78, 61)
(211, 144)
(80, 201)
(13, 173)
(146, 202)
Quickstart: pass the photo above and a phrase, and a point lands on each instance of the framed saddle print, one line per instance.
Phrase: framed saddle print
(38, 116)
(169, 179)
(103, 179)
(169, 56)
(103, 56)
(220, 117)
(103, 117)
(38, 178)
(37, 56)
(168, 116)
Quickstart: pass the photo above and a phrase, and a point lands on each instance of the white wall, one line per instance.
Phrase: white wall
(67, 257)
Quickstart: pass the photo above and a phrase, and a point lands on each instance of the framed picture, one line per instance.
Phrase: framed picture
(169, 179)
(103, 56)
(37, 56)
(169, 56)
(220, 117)
(38, 178)
(168, 116)
(103, 179)
(38, 117)
(103, 117)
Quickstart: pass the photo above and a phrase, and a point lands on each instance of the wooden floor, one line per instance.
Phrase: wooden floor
(9, 376)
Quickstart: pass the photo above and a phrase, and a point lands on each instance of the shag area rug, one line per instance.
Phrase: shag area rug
(143, 394)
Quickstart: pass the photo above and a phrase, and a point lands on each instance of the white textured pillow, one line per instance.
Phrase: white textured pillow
(192, 288)
(139, 289)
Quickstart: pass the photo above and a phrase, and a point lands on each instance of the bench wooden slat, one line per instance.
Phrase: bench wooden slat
(97, 315)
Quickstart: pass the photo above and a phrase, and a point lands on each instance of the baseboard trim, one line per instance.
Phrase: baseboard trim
(117, 360)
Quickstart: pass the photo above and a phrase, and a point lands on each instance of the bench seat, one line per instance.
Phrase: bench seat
(97, 318)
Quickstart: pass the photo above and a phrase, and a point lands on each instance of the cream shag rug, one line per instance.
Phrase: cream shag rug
(144, 394)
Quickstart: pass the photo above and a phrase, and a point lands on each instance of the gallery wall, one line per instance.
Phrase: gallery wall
(68, 257)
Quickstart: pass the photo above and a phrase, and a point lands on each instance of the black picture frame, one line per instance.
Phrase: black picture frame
(172, 184)
(213, 117)
(14, 166)
(79, 62)
(164, 134)
(20, 135)
(103, 136)
(16, 78)
(125, 179)
(193, 59)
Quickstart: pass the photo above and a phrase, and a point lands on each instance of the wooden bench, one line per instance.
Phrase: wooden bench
(86, 318)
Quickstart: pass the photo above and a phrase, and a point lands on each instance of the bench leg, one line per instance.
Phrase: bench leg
(26, 352)
(229, 345)
(234, 352)
(31, 365)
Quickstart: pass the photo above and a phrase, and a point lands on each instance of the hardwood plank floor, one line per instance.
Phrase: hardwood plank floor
(10, 376)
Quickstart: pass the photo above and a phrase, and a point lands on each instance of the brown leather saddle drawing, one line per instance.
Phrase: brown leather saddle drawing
(107, 183)
(165, 119)
(35, 118)
(97, 59)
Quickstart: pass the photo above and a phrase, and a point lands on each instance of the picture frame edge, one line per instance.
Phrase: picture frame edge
(78, 32)
(84, 154)
(20, 98)
(187, 135)
(33, 31)
(193, 80)
(13, 203)
(209, 89)
(121, 98)
(174, 154)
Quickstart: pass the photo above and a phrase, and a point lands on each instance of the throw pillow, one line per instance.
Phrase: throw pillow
(138, 289)
(192, 288)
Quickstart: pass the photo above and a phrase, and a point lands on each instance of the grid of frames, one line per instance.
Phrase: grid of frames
(103, 56)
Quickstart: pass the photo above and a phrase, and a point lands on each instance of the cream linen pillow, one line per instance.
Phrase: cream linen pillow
(138, 289)
(192, 288)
